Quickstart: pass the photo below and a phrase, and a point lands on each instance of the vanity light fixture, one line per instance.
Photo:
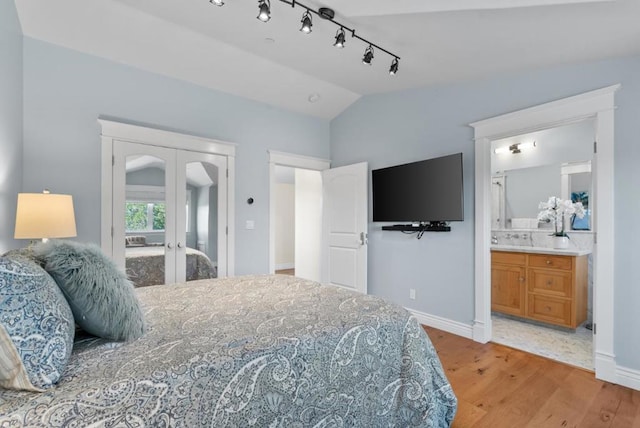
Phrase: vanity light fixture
(515, 148)
(265, 10)
(326, 14)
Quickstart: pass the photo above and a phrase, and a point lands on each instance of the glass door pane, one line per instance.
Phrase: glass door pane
(143, 231)
(200, 216)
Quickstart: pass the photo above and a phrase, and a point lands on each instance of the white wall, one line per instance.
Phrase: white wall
(10, 122)
(392, 128)
(66, 91)
(308, 209)
(285, 225)
(569, 143)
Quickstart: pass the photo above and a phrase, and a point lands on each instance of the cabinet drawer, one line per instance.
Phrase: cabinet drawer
(549, 261)
(550, 309)
(508, 258)
(550, 282)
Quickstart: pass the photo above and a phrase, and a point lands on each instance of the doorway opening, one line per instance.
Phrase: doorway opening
(599, 105)
(543, 309)
(295, 214)
(298, 221)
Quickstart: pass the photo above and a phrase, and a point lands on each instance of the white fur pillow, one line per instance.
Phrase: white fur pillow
(101, 297)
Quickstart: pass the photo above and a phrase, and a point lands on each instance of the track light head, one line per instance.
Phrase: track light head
(265, 10)
(394, 67)
(368, 55)
(216, 2)
(306, 23)
(340, 38)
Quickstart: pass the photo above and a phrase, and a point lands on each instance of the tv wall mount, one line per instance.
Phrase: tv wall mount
(420, 228)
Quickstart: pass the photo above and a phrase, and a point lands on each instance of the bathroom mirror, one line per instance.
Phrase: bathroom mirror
(556, 162)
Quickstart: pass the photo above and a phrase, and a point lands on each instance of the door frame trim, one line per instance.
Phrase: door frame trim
(277, 158)
(113, 130)
(600, 106)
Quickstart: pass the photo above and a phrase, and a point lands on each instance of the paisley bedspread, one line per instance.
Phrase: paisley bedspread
(253, 351)
(145, 265)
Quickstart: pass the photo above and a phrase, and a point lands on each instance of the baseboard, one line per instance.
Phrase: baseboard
(283, 266)
(453, 327)
(628, 377)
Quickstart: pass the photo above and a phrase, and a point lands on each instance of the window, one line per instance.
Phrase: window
(145, 216)
(145, 209)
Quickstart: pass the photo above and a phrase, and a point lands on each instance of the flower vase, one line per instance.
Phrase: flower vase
(561, 242)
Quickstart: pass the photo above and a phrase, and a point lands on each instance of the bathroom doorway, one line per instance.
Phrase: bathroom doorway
(598, 104)
(546, 310)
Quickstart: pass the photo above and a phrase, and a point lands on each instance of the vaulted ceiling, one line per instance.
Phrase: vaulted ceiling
(439, 41)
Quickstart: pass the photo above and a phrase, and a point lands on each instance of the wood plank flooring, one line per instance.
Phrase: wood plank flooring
(286, 272)
(498, 386)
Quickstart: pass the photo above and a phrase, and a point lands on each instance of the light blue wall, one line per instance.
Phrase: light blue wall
(10, 121)
(405, 126)
(65, 92)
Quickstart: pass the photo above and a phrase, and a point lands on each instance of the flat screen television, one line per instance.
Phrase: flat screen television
(426, 191)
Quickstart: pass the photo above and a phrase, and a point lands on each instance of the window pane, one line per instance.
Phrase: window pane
(135, 216)
(158, 216)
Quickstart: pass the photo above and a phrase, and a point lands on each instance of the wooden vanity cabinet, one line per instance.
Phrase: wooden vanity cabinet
(508, 274)
(544, 287)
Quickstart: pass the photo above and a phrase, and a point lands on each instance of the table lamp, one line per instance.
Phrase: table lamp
(44, 215)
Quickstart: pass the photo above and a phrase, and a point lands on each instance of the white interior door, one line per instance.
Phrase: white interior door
(345, 226)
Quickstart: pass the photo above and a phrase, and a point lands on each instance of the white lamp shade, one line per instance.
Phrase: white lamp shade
(44, 215)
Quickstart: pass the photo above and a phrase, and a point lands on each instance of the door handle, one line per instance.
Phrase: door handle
(169, 245)
(179, 244)
(363, 239)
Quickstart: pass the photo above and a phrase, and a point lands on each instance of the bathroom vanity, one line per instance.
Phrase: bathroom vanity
(542, 284)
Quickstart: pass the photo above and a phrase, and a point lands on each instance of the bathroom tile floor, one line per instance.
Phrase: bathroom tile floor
(565, 346)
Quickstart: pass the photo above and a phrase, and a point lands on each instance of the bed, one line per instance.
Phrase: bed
(145, 265)
(253, 351)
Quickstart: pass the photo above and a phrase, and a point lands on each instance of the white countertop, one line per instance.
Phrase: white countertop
(541, 250)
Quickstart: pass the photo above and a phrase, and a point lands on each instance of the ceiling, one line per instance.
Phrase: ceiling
(439, 41)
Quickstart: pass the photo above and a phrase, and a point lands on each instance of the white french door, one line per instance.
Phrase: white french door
(344, 204)
(175, 202)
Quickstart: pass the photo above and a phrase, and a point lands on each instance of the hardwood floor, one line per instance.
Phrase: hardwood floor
(499, 386)
(286, 272)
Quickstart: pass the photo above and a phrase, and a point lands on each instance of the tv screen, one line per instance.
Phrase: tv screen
(425, 191)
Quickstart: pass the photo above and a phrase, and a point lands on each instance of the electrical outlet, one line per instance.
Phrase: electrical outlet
(412, 294)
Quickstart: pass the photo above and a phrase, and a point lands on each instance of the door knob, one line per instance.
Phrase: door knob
(363, 238)
(169, 245)
(179, 244)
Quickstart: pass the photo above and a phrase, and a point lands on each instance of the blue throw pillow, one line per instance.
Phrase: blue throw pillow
(101, 297)
(36, 326)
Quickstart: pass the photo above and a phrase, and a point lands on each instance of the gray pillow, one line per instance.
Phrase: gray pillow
(36, 326)
(101, 297)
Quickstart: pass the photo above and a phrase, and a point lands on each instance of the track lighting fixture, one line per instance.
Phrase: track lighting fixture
(394, 67)
(340, 36)
(265, 10)
(368, 55)
(326, 14)
(306, 23)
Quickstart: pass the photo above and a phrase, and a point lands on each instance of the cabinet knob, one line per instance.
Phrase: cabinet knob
(548, 308)
(521, 279)
(548, 262)
(549, 283)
